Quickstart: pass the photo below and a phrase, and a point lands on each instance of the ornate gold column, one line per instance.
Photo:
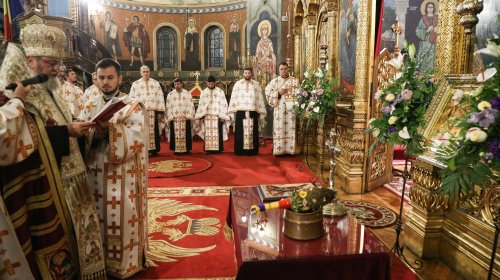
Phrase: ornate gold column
(310, 20)
(297, 46)
(352, 120)
(450, 42)
(468, 11)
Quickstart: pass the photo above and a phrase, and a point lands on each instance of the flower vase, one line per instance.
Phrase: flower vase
(303, 226)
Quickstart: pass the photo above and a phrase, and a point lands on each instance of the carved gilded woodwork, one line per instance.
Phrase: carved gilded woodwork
(491, 211)
(450, 43)
(380, 160)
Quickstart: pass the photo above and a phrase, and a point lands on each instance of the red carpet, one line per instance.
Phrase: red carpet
(165, 167)
(186, 234)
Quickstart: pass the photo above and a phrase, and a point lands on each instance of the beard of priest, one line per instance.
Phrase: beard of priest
(55, 164)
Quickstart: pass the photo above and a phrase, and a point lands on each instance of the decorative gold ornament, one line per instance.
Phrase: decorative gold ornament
(43, 40)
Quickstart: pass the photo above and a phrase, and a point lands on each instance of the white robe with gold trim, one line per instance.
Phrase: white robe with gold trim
(179, 108)
(117, 170)
(284, 121)
(73, 96)
(212, 108)
(13, 130)
(149, 93)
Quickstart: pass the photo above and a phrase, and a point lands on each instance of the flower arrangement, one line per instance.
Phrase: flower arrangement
(404, 103)
(303, 200)
(316, 97)
(473, 153)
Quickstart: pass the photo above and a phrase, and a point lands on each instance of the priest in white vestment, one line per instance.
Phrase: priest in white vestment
(73, 96)
(180, 113)
(117, 164)
(211, 115)
(279, 94)
(58, 173)
(247, 110)
(148, 92)
(92, 91)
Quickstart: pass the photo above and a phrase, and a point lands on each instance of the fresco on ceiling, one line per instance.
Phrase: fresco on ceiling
(187, 2)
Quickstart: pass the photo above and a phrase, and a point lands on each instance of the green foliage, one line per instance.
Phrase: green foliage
(473, 155)
(404, 103)
(316, 97)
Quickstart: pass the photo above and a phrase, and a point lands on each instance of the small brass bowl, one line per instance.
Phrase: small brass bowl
(303, 226)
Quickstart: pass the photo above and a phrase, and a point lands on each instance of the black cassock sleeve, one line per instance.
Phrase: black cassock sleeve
(59, 139)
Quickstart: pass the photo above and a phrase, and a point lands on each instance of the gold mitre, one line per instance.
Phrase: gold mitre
(43, 40)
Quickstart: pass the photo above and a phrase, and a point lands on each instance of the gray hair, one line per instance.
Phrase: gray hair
(144, 67)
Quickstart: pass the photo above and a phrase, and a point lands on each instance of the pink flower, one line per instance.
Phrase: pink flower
(320, 92)
(406, 94)
(304, 93)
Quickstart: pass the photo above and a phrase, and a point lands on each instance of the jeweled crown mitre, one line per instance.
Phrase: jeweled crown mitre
(43, 40)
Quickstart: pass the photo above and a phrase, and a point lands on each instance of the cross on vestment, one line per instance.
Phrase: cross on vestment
(397, 29)
(114, 227)
(24, 149)
(9, 138)
(97, 196)
(132, 196)
(133, 220)
(136, 147)
(115, 251)
(113, 202)
(130, 245)
(9, 267)
(115, 177)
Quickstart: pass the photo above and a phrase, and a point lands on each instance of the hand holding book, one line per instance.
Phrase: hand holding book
(114, 105)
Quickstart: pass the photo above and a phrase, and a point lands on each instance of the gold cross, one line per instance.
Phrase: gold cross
(397, 29)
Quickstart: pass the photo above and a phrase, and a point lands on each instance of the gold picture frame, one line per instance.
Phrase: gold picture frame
(442, 110)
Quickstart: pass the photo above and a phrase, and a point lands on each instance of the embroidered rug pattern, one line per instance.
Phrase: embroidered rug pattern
(396, 187)
(166, 167)
(369, 214)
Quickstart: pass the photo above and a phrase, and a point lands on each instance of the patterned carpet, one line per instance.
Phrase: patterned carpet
(167, 167)
(396, 187)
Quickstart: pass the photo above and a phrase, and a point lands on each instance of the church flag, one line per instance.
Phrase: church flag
(11, 9)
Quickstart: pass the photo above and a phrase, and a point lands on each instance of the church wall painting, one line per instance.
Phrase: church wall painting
(191, 47)
(263, 42)
(111, 24)
(419, 20)
(347, 44)
(234, 49)
(136, 38)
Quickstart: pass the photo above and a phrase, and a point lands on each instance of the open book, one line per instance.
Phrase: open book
(114, 105)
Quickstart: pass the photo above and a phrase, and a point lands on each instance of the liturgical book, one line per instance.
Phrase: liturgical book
(114, 105)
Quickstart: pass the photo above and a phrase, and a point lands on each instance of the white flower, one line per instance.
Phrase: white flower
(376, 132)
(486, 74)
(411, 51)
(492, 49)
(484, 105)
(311, 103)
(478, 135)
(403, 133)
(377, 95)
(397, 62)
(306, 74)
(316, 110)
(392, 120)
(319, 73)
(390, 97)
(371, 121)
(303, 106)
(457, 96)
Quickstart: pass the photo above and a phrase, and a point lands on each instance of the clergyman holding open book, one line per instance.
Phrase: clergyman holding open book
(116, 165)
